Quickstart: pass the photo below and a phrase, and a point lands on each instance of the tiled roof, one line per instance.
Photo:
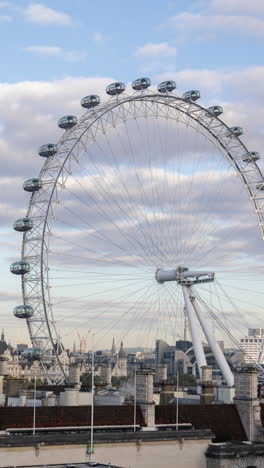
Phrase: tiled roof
(223, 420)
(12, 417)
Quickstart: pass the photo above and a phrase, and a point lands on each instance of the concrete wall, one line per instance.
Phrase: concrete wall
(187, 453)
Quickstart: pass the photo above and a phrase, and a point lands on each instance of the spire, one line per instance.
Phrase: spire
(121, 353)
(2, 335)
(113, 350)
(74, 347)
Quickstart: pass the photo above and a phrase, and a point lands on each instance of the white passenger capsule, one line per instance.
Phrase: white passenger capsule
(260, 186)
(115, 88)
(215, 110)
(191, 95)
(23, 225)
(23, 311)
(32, 185)
(47, 150)
(234, 131)
(32, 353)
(20, 268)
(166, 86)
(90, 101)
(141, 83)
(251, 156)
(68, 121)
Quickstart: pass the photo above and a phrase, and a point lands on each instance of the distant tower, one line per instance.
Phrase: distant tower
(74, 347)
(2, 335)
(113, 350)
(122, 360)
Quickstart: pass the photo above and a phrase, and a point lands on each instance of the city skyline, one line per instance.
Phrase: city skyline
(55, 75)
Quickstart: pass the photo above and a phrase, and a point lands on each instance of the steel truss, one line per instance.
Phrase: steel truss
(54, 174)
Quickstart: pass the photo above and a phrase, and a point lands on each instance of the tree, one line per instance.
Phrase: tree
(86, 380)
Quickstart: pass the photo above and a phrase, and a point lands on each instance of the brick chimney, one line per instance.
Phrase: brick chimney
(247, 401)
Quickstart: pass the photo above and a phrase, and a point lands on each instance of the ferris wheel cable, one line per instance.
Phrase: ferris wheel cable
(99, 273)
(140, 186)
(106, 197)
(176, 298)
(120, 178)
(104, 255)
(152, 293)
(113, 224)
(117, 301)
(188, 213)
(145, 336)
(149, 162)
(162, 192)
(138, 303)
(101, 238)
(100, 293)
(238, 299)
(238, 311)
(243, 289)
(154, 244)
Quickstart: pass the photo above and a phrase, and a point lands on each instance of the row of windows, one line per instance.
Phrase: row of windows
(251, 340)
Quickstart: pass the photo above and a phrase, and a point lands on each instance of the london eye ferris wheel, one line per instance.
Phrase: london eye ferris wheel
(133, 218)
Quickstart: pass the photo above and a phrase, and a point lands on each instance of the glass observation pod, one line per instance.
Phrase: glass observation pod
(90, 101)
(23, 225)
(32, 185)
(23, 311)
(68, 121)
(192, 95)
(115, 88)
(260, 186)
(32, 353)
(47, 150)
(20, 268)
(215, 110)
(166, 86)
(234, 131)
(141, 83)
(251, 156)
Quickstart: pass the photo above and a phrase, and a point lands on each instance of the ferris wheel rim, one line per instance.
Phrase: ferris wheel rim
(161, 99)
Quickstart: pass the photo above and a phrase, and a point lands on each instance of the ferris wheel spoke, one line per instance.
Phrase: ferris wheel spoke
(134, 310)
(98, 235)
(115, 226)
(122, 213)
(107, 309)
(136, 211)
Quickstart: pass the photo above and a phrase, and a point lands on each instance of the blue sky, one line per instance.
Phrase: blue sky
(55, 52)
(86, 38)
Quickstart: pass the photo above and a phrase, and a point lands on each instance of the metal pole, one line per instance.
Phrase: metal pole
(177, 402)
(92, 407)
(135, 399)
(216, 350)
(194, 327)
(34, 402)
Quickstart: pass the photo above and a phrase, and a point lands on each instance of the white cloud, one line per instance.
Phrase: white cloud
(41, 14)
(5, 19)
(152, 50)
(54, 51)
(203, 24)
(99, 37)
(238, 6)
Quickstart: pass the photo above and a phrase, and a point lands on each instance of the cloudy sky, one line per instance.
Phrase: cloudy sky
(54, 53)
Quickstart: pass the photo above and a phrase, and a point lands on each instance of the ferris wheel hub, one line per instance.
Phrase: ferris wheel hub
(184, 276)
